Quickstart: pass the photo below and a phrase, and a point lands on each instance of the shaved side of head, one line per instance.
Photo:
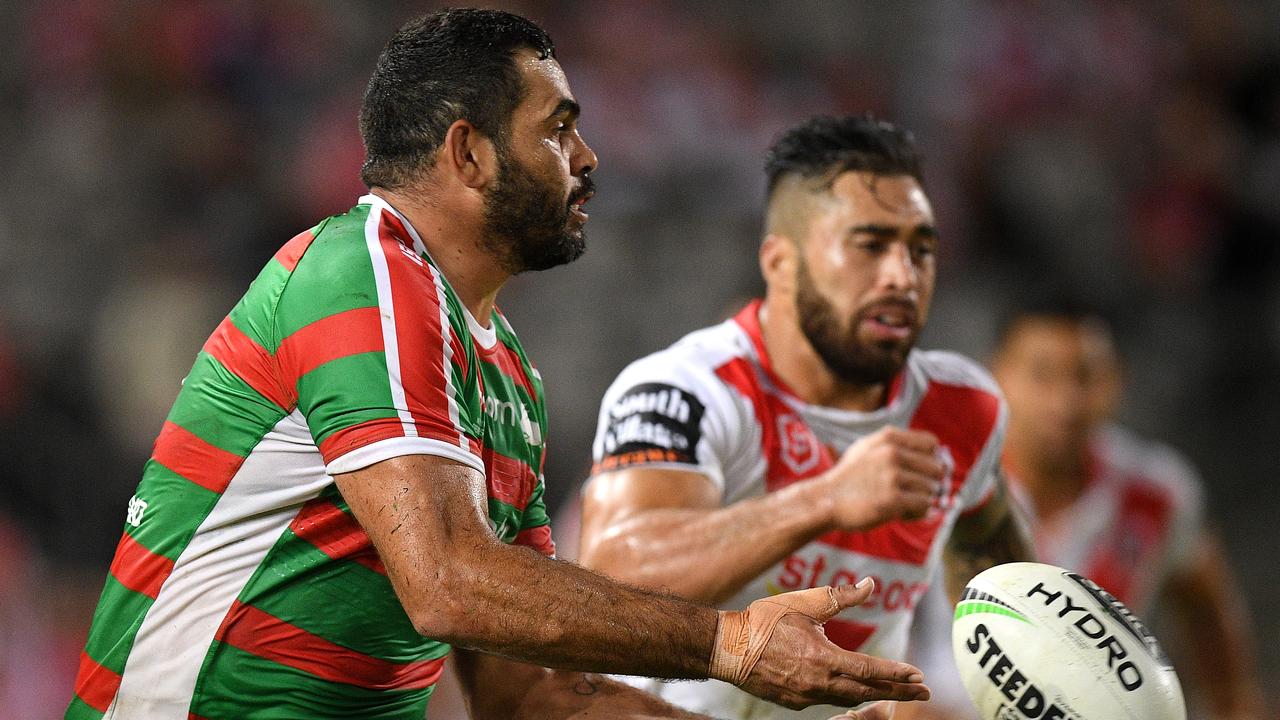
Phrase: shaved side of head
(791, 206)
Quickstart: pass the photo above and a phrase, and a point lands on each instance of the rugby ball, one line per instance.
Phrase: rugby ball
(1037, 641)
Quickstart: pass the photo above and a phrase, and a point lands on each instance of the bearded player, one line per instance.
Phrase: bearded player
(349, 481)
(805, 441)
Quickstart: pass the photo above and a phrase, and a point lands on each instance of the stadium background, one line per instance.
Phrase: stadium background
(156, 153)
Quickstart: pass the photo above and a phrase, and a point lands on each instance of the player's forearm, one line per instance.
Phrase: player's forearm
(1215, 624)
(457, 582)
(513, 602)
(564, 695)
(501, 689)
(708, 554)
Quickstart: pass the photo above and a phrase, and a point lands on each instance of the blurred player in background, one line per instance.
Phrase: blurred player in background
(1124, 511)
(805, 441)
(350, 479)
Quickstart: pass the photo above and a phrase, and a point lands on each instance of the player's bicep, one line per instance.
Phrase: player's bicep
(976, 524)
(422, 513)
(993, 533)
(614, 497)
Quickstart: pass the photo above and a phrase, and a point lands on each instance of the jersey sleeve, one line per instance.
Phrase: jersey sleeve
(535, 527)
(984, 409)
(985, 475)
(1187, 522)
(376, 347)
(660, 413)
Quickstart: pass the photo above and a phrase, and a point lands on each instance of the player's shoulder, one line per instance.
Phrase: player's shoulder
(692, 361)
(952, 368)
(336, 238)
(350, 245)
(1141, 462)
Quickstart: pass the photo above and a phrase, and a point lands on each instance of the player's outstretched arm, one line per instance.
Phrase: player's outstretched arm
(665, 528)
(458, 583)
(501, 689)
(1205, 599)
(992, 535)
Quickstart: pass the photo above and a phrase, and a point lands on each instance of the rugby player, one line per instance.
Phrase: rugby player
(349, 481)
(1125, 511)
(805, 441)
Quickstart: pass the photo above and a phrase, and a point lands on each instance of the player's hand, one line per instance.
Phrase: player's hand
(775, 649)
(888, 475)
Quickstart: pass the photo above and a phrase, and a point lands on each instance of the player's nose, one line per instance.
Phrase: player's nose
(584, 159)
(897, 268)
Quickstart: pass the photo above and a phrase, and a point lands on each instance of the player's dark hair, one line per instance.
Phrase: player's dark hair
(449, 65)
(822, 147)
(1061, 308)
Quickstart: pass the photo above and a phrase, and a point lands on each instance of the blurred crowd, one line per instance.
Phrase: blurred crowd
(156, 154)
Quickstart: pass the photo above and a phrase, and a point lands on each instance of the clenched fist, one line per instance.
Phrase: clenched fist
(888, 475)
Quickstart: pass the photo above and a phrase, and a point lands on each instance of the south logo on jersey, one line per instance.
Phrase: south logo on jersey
(651, 423)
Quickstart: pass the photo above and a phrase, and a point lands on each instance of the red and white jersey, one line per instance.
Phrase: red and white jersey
(711, 403)
(1135, 522)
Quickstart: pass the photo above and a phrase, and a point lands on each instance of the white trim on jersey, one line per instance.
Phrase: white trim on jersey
(376, 452)
(418, 246)
(485, 337)
(284, 471)
(387, 312)
(446, 331)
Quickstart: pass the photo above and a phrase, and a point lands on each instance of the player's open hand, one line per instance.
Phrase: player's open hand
(888, 475)
(775, 649)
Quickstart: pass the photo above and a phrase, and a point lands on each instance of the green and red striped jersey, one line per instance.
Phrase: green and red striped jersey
(242, 586)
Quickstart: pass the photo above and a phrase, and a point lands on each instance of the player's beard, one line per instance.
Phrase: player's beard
(837, 342)
(526, 219)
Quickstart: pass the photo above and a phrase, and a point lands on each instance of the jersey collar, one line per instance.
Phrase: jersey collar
(486, 338)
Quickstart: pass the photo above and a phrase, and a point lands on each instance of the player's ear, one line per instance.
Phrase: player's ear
(468, 155)
(779, 257)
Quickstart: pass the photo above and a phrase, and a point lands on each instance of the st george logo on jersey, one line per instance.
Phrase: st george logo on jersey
(801, 450)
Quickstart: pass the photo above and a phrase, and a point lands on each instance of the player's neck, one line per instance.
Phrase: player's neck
(456, 249)
(1053, 484)
(798, 365)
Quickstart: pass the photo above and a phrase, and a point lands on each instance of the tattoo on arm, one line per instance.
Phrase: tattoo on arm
(995, 534)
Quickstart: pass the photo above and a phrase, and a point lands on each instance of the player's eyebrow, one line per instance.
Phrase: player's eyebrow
(921, 230)
(568, 107)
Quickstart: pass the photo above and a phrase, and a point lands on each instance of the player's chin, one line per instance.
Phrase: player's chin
(892, 354)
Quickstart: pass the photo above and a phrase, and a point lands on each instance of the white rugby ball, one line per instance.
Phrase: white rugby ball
(1037, 641)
